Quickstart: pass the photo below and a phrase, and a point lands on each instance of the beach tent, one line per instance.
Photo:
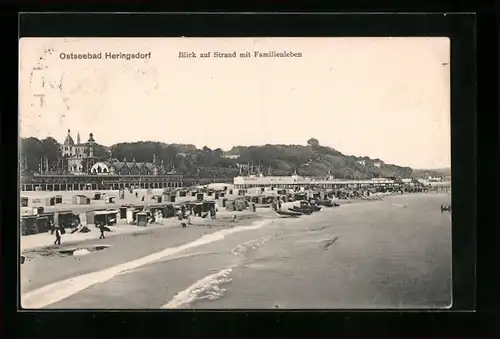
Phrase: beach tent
(108, 217)
(110, 199)
(142, 219)
(81, 200)
(67, 219)
(50, 201)
(238, 204)
(132, 213)
(201, 206)
(123, 211)
(43, 220)
(38, 210)
(167, 210)
(29, 225)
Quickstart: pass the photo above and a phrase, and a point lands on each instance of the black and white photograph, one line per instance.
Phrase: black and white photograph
(235, 173)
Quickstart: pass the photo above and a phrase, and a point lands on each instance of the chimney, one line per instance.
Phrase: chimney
(78, 138)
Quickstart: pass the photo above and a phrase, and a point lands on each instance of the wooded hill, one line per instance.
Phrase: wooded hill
(312, 159)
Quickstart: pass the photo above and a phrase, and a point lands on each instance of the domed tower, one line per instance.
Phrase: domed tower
(69, 140)
(68, 144)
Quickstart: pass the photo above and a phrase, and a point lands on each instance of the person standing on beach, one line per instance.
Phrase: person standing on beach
(58, 236)
(101, 228)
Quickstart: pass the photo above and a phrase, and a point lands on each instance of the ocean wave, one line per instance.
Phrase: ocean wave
(207, 288)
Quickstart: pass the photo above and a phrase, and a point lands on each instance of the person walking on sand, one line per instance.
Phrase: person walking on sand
(101, 228)
(58, 236)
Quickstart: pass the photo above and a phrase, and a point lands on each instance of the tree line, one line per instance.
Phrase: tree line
(311, 159)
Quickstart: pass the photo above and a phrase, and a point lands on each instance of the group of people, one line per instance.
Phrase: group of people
(156, 217)
(59, 230)
(184, 213)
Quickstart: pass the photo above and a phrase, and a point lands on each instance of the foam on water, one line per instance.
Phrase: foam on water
(58, 291)
(251, 244)
(81, 252)
(398, 205)
(206, 288)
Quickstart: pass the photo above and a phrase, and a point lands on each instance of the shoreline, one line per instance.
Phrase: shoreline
(43, 241)
(46, 265)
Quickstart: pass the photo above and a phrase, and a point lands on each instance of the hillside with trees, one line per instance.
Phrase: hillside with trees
(312, 159)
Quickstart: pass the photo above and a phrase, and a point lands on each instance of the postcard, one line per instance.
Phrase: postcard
(235, 173)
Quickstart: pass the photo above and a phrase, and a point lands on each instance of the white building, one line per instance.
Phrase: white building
(76, 152)
(231, 156)
(293, 181)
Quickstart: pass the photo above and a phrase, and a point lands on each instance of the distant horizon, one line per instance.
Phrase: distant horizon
(385, 98)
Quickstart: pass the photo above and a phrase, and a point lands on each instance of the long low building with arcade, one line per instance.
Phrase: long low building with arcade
(295, 181)
(82, 170)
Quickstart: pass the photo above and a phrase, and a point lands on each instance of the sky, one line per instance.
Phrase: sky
(386, 98)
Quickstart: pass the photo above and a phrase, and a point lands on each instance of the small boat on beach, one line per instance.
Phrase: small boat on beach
(310, 205)
(314, 207)
(326, 203)
(288, 214)
(302, 210)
